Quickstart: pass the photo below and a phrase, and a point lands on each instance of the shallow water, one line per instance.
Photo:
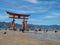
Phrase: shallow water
(45, 35)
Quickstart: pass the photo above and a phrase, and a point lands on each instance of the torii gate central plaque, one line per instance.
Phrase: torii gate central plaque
(18, 16)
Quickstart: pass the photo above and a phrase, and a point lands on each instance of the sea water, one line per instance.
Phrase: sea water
(45, 35)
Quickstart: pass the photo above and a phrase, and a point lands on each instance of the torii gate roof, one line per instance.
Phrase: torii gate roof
(15, 14)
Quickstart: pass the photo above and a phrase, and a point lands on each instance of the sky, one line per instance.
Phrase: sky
(42, 12)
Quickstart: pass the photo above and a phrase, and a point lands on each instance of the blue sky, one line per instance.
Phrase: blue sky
(43, 12)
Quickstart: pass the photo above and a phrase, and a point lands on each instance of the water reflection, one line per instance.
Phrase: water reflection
(45, 35)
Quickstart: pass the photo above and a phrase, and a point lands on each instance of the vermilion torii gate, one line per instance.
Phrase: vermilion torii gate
(18, 16)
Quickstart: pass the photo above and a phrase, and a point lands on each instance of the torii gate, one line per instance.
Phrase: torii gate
(18, 16)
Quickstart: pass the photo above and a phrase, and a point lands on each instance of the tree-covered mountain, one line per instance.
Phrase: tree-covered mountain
(7, 25)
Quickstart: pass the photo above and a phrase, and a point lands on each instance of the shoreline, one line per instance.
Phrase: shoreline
(47, 35)
(19, 38)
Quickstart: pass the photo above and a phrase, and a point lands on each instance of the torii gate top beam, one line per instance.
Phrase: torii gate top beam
(18, 16)
(15, 14)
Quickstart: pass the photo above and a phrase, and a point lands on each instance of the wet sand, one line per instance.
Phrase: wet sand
(19, 38)
(48, 32)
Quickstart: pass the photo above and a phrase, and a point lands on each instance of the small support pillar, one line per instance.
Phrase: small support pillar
(24, 25)
(12, 25)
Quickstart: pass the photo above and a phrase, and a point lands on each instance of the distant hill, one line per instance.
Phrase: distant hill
(7, 25)
(44, 27)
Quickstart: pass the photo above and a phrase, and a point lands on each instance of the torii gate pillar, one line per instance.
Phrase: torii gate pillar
(12, 25)
(24, 25)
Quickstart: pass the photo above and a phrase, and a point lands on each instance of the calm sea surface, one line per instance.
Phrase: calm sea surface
(49, 36)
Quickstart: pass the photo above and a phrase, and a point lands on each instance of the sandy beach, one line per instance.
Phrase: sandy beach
(19, 38)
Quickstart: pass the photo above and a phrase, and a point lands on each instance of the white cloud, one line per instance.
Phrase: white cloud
(14, 2)
(33, 11)
(3, 17)
(34, 20)
(48, 2)
(49, 16)
(36, 9)
(32, 1)
(41, 2)
(53, 15)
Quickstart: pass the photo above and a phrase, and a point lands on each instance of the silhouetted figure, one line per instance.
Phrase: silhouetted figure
(35, 30)
(22, 30)
(46, 30)
(5, 32)
(39, 29)
(15, 29)
(55, 31)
